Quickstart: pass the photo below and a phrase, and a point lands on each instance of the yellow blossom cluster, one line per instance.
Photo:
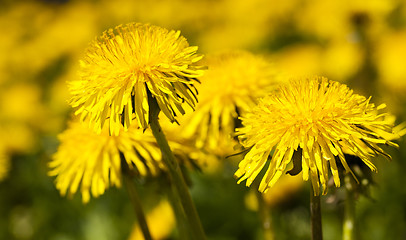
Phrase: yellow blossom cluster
(121, 72)
(243, 100)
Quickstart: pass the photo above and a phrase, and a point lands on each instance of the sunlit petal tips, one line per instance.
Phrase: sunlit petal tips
(317, 120)
(123, 65)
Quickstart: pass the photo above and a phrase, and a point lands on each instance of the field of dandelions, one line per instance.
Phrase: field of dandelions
(69, 149)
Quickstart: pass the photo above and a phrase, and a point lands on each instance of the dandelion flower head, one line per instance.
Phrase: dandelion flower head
(93, 161)
(232, 83)
(123, 65)
(316, 120)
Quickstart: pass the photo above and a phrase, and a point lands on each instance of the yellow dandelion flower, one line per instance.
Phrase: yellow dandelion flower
(232, 83)
(93, 160)
(123, 65)
(318, 119)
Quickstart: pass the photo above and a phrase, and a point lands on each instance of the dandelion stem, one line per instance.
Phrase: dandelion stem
(183, 231)
(349, 214)
(266, 218)
(174, 171)
(136, 202)
(315, 216)
(173, 197)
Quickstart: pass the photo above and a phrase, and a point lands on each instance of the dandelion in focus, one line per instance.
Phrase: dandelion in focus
(231, 85)
(123, 65)
(93, 161)
(316, 121)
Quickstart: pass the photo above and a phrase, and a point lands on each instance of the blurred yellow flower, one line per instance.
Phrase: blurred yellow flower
(188, 154)
(299, 59)
(341, 60)
(326, 19)
(37, 41)
(21, 102)
(192, 13)
(231, 85)
(16, 137)
(22, 115)
(236, 24)
(4, 164)
(161, 222)
(123, 65)
(93, 160)
(313, 120)
(339, 19)
(284, 189)
(389, 58)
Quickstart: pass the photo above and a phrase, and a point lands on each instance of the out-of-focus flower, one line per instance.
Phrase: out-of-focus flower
(342, 18)
(215, 25)
(37, 41)
(93, 160)
(22, 103)
(22, 117)
(284, 189)
(123, 65)
(239, 24)
(312, 120)
(299, 59)
(188, 154)
(193, 13)
(231, 85)
(232, 28)
(4, 164)
(161, 222)
(341, 60)
(34, 53)
(17, 138)
(333, 14)
(57, 103)
(389, 58)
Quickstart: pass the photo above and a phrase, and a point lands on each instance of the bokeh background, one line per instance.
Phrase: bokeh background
(360, 43)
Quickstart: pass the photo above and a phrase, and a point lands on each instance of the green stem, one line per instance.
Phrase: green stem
(266, 219)
(135, 200)
(174, 172)
(349, 214)
(315, 215)
(181, 220)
